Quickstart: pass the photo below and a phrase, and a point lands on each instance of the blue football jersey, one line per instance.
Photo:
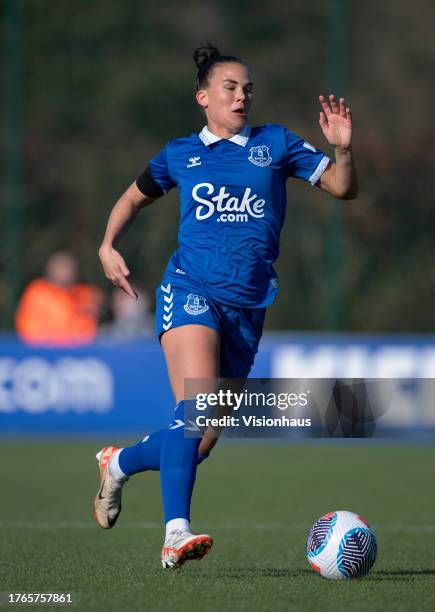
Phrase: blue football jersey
(233, 201)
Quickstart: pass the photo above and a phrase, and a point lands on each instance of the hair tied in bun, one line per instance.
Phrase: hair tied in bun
(206, 58)
(203, 55)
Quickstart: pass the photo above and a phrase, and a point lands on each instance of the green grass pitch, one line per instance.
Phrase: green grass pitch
(258, 501)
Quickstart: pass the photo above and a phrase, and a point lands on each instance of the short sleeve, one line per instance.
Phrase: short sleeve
(304, 161)
(156, 179)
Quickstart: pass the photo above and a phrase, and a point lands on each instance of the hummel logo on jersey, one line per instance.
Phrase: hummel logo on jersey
(194, 161)
(230, 207)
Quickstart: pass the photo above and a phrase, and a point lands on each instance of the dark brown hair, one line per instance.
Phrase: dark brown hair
(206, 58)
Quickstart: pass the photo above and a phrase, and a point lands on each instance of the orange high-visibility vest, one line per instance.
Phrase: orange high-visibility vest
(52, 315)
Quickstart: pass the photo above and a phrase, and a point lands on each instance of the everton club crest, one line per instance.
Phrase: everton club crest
(196, 304)
(260, 156)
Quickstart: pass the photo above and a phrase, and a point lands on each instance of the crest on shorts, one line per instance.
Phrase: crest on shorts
(260, 156)
(196, 304)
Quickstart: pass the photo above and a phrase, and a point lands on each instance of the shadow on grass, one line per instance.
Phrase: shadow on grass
(261, 572)
(400, 574)
(269, 572)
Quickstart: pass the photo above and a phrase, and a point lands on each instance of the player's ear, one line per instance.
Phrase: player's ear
(202, 98)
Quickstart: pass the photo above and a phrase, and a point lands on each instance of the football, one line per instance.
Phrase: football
(341, 545)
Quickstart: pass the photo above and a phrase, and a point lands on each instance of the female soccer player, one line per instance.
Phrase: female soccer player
(212, 300)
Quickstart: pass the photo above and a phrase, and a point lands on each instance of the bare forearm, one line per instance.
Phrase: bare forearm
(122, 216)
(339, 179)
(346, 177)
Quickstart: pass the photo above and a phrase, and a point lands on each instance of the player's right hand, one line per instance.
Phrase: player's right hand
(116, 270)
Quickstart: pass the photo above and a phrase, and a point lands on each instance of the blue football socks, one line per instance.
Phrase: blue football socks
(145, 455)
(142, 456)
(178, 468)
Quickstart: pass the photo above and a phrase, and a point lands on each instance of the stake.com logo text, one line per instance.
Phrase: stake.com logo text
(230, 207)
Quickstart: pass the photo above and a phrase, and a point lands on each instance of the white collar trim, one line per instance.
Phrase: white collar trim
(241, 138)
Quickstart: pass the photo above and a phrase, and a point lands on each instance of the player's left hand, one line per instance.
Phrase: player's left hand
(336, 122)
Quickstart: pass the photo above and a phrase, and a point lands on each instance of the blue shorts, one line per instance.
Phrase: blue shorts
(180, 301)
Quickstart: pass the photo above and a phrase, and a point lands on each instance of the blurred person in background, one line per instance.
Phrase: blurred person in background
(57, 310)
(214, 293)
(130, 319)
